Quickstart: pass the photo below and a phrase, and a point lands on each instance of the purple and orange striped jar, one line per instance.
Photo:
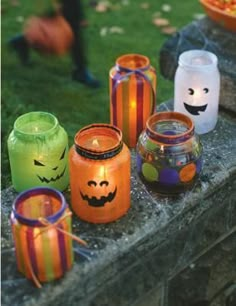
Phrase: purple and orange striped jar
(132, 95)
(41, 227)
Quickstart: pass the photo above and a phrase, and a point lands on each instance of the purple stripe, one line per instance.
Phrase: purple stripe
(62, 249)
(139, 106)
(114, 102)
(31, 249)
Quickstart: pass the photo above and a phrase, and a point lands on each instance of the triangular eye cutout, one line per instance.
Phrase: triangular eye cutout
(63, 154)
(37, 163)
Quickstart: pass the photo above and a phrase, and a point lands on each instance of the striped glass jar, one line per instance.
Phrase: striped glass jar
(132, 95)
(41, 227)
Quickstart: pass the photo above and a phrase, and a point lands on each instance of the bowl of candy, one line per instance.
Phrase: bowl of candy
(221, 11)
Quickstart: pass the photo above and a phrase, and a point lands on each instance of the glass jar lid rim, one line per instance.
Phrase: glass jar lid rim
(170, 116)
(121, 58)
(36, 113)
(186, 56)
(108, 128)
(39, 191)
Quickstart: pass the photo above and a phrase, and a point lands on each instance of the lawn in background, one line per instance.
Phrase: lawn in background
(47, 85)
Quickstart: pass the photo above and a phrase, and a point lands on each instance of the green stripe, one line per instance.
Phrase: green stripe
(17, 230)
(125, 106)
(47, 256)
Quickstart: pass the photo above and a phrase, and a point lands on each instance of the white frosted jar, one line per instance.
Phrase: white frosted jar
(197, 88)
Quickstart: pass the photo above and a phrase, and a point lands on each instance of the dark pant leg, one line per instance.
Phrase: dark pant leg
(73, 13)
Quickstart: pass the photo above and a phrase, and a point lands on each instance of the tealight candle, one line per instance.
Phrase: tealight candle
(132, 95)
(38, 152)
(99, 174)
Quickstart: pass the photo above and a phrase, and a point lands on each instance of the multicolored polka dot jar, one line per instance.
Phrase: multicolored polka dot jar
(169, 153)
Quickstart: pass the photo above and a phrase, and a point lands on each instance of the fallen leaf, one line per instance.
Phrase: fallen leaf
(103, 31)
(198, 16)
(160, 22)
(116, 30)
(166, 8)
(169, 30)
(145, 5)
(15, 3)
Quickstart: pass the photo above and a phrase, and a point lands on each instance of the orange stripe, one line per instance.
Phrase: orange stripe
(18, 248)
(40, 255)
(54, 246)
(24, 250)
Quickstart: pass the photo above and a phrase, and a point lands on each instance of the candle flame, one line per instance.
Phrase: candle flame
(133, 104)
(95, 142)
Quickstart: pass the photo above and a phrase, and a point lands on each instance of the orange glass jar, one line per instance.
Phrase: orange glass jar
(132, 95)
(99, 174)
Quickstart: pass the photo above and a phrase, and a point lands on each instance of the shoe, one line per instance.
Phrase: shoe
(20, 45)
(86, 78)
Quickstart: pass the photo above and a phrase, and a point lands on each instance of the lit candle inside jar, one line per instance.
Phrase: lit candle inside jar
(99, 142)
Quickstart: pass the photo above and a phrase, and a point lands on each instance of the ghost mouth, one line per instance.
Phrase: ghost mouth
(52, 179)
(194, 110)
(93, 201)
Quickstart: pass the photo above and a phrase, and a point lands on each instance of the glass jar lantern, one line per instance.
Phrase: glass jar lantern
(197, 88)
(99, 174)
(41, 227)
(169, 153)
(38, 152)
(132, 95)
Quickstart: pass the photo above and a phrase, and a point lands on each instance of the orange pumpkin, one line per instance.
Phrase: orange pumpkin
(99, 174)
(49, 35)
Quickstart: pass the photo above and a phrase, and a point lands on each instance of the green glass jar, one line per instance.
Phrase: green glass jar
(38, 152)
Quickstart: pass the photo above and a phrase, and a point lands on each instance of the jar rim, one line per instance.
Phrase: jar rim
(143, 63)
(186, 59)
(98, 129)
(27, 117)
(170, 116)
(38, 191)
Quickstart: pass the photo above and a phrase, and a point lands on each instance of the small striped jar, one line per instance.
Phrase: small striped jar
(41, 227)
(132, 95)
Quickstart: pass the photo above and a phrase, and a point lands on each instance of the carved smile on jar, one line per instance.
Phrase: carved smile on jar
(52, 179)
(98, 202)
(194, 110)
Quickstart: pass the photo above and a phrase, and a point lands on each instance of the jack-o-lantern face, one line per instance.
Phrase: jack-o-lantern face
(195, 109)
(49, 173)
(102, 188)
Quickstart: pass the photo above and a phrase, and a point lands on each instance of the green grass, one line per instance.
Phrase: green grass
(47, 85)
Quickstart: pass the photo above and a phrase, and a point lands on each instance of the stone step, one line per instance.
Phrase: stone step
(156, 249)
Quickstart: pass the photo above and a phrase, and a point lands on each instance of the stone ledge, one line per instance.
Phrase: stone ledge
(158, 236)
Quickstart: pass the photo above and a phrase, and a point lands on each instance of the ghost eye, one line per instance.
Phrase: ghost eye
(90, 183)
(63, 154)
(191, 91)
(206, 90)
(37, 163)
(104, 183)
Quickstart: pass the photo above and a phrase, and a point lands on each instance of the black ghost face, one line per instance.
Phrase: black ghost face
(50, 171)
(192, 109)
(101, 199)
